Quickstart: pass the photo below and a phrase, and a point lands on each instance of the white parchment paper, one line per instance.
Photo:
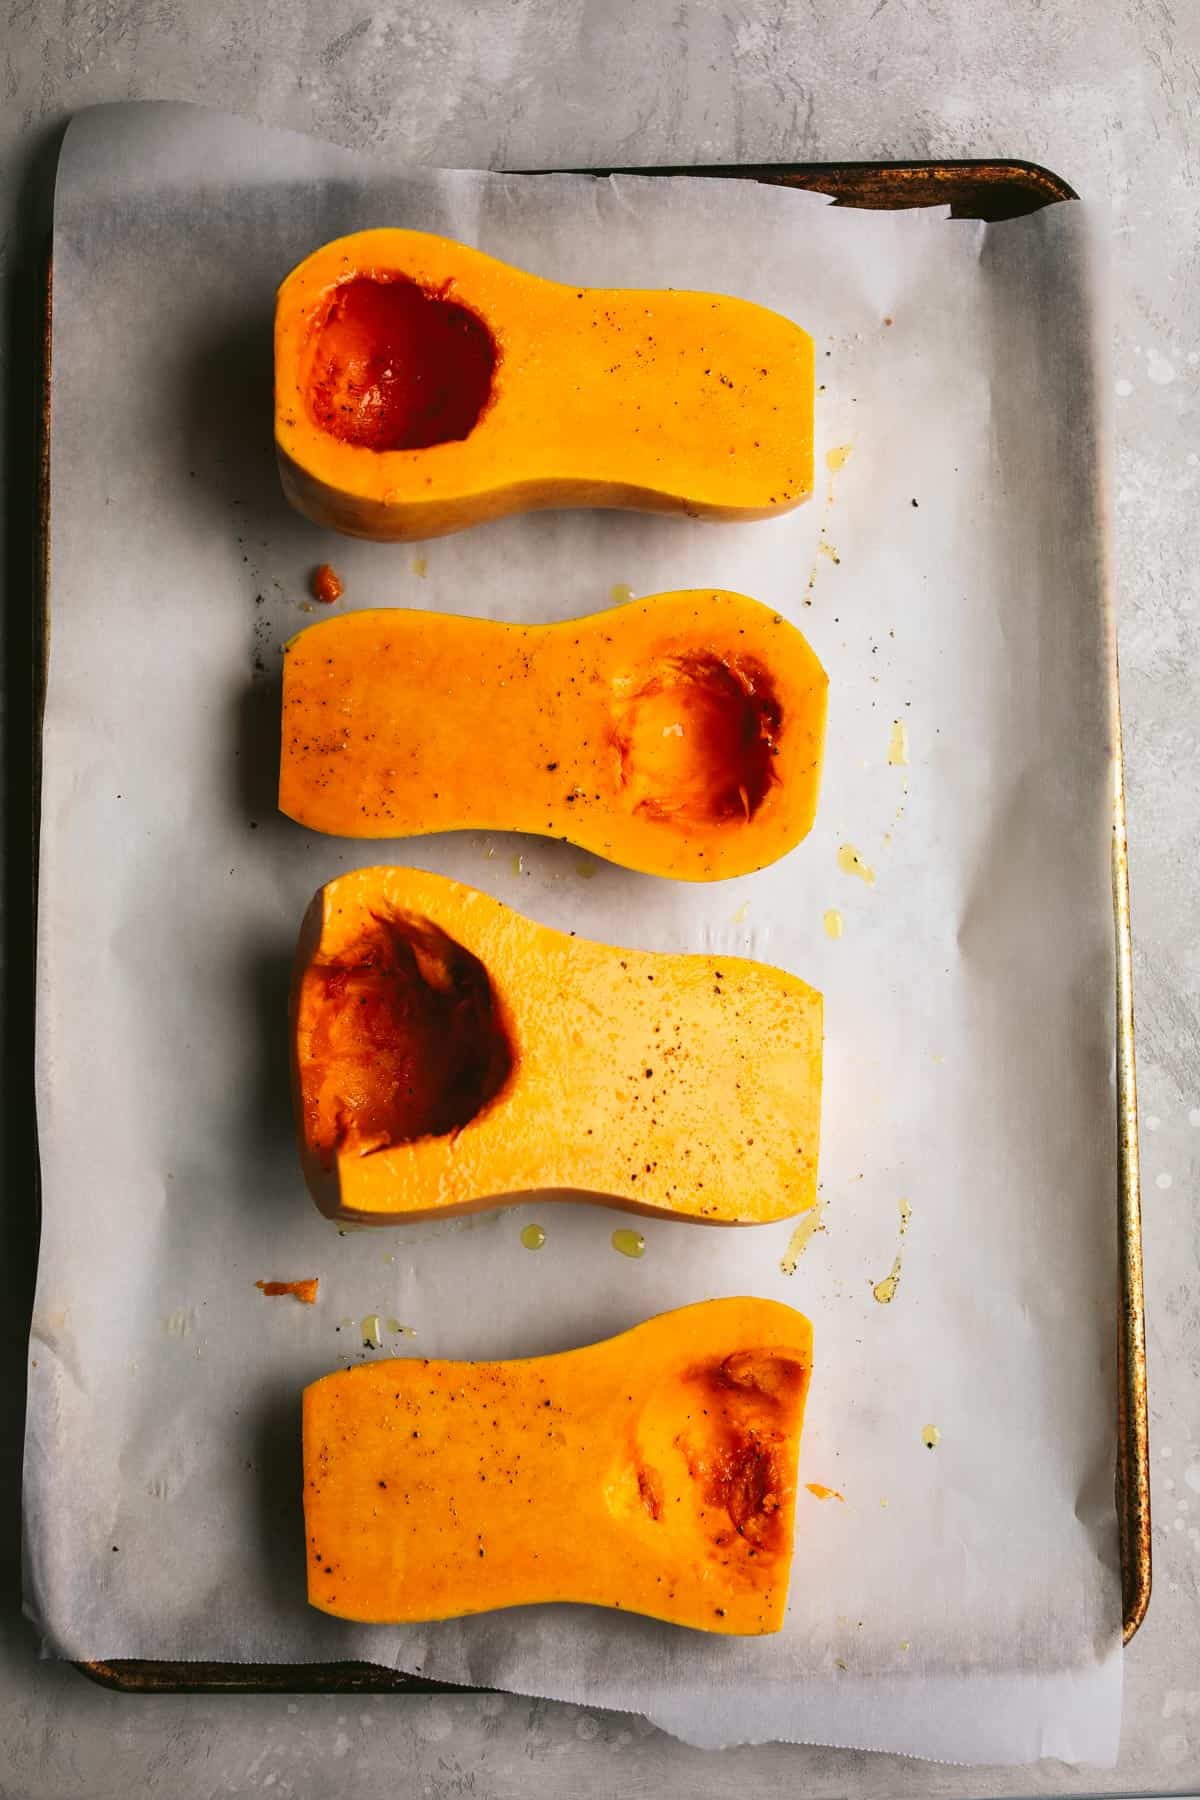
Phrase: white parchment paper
(962, 1601)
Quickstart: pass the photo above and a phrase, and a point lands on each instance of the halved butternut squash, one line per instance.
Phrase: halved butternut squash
(655, 1472)
(450, 1055)
(421, 386)
(680, 735)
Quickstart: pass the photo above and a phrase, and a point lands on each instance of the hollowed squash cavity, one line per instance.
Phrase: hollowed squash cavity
(395, 367)
(403, 1038)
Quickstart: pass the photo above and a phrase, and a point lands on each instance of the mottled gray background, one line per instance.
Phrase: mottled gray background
(1106, 94)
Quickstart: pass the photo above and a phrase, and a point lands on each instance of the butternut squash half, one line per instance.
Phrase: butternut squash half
(680, 735)
(421, 387)
(450, 1055)
(655, 1472)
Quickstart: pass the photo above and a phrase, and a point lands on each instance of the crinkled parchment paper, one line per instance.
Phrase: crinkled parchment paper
(963, 1600)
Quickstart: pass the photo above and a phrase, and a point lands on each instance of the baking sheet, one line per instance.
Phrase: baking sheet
(968, 1000)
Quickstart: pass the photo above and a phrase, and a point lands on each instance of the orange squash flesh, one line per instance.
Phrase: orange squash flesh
(679, 735)
(421, 386)
(449, 1054)
(655, 1472)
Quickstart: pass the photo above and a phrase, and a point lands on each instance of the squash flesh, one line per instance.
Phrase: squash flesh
(593, 1075)
(655, 1472)
(661, 401)
(680, 735)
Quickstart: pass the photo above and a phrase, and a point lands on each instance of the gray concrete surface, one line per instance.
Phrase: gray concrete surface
(1105, 93)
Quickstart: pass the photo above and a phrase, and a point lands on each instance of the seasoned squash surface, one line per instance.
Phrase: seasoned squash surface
(421, 387)
(655, 1472)
(679, 735)
(450, 1054)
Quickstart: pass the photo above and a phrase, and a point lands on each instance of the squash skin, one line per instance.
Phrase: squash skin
(680, 735)
(596, 1081)
(655, 1472)
(656, 401)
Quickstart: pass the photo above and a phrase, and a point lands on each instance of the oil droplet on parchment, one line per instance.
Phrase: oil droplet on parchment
(741, 915)
(620, 593)
(586, 871)
(420, 567)
(898, 745)
(821, 1492)
(533, 1237)
(629, 1243)
(851, 863)
(372, 1331)
(835, 460)
(885, 1290)
(400, 1330)
(833, 923)
(802, 1236)
(931, 1437)
(518, 865)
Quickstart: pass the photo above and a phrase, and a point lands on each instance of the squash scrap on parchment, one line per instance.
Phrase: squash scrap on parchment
(655, 1473)
(449, 1054)
(421, 387)
(305, 1291)
(680, 735)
